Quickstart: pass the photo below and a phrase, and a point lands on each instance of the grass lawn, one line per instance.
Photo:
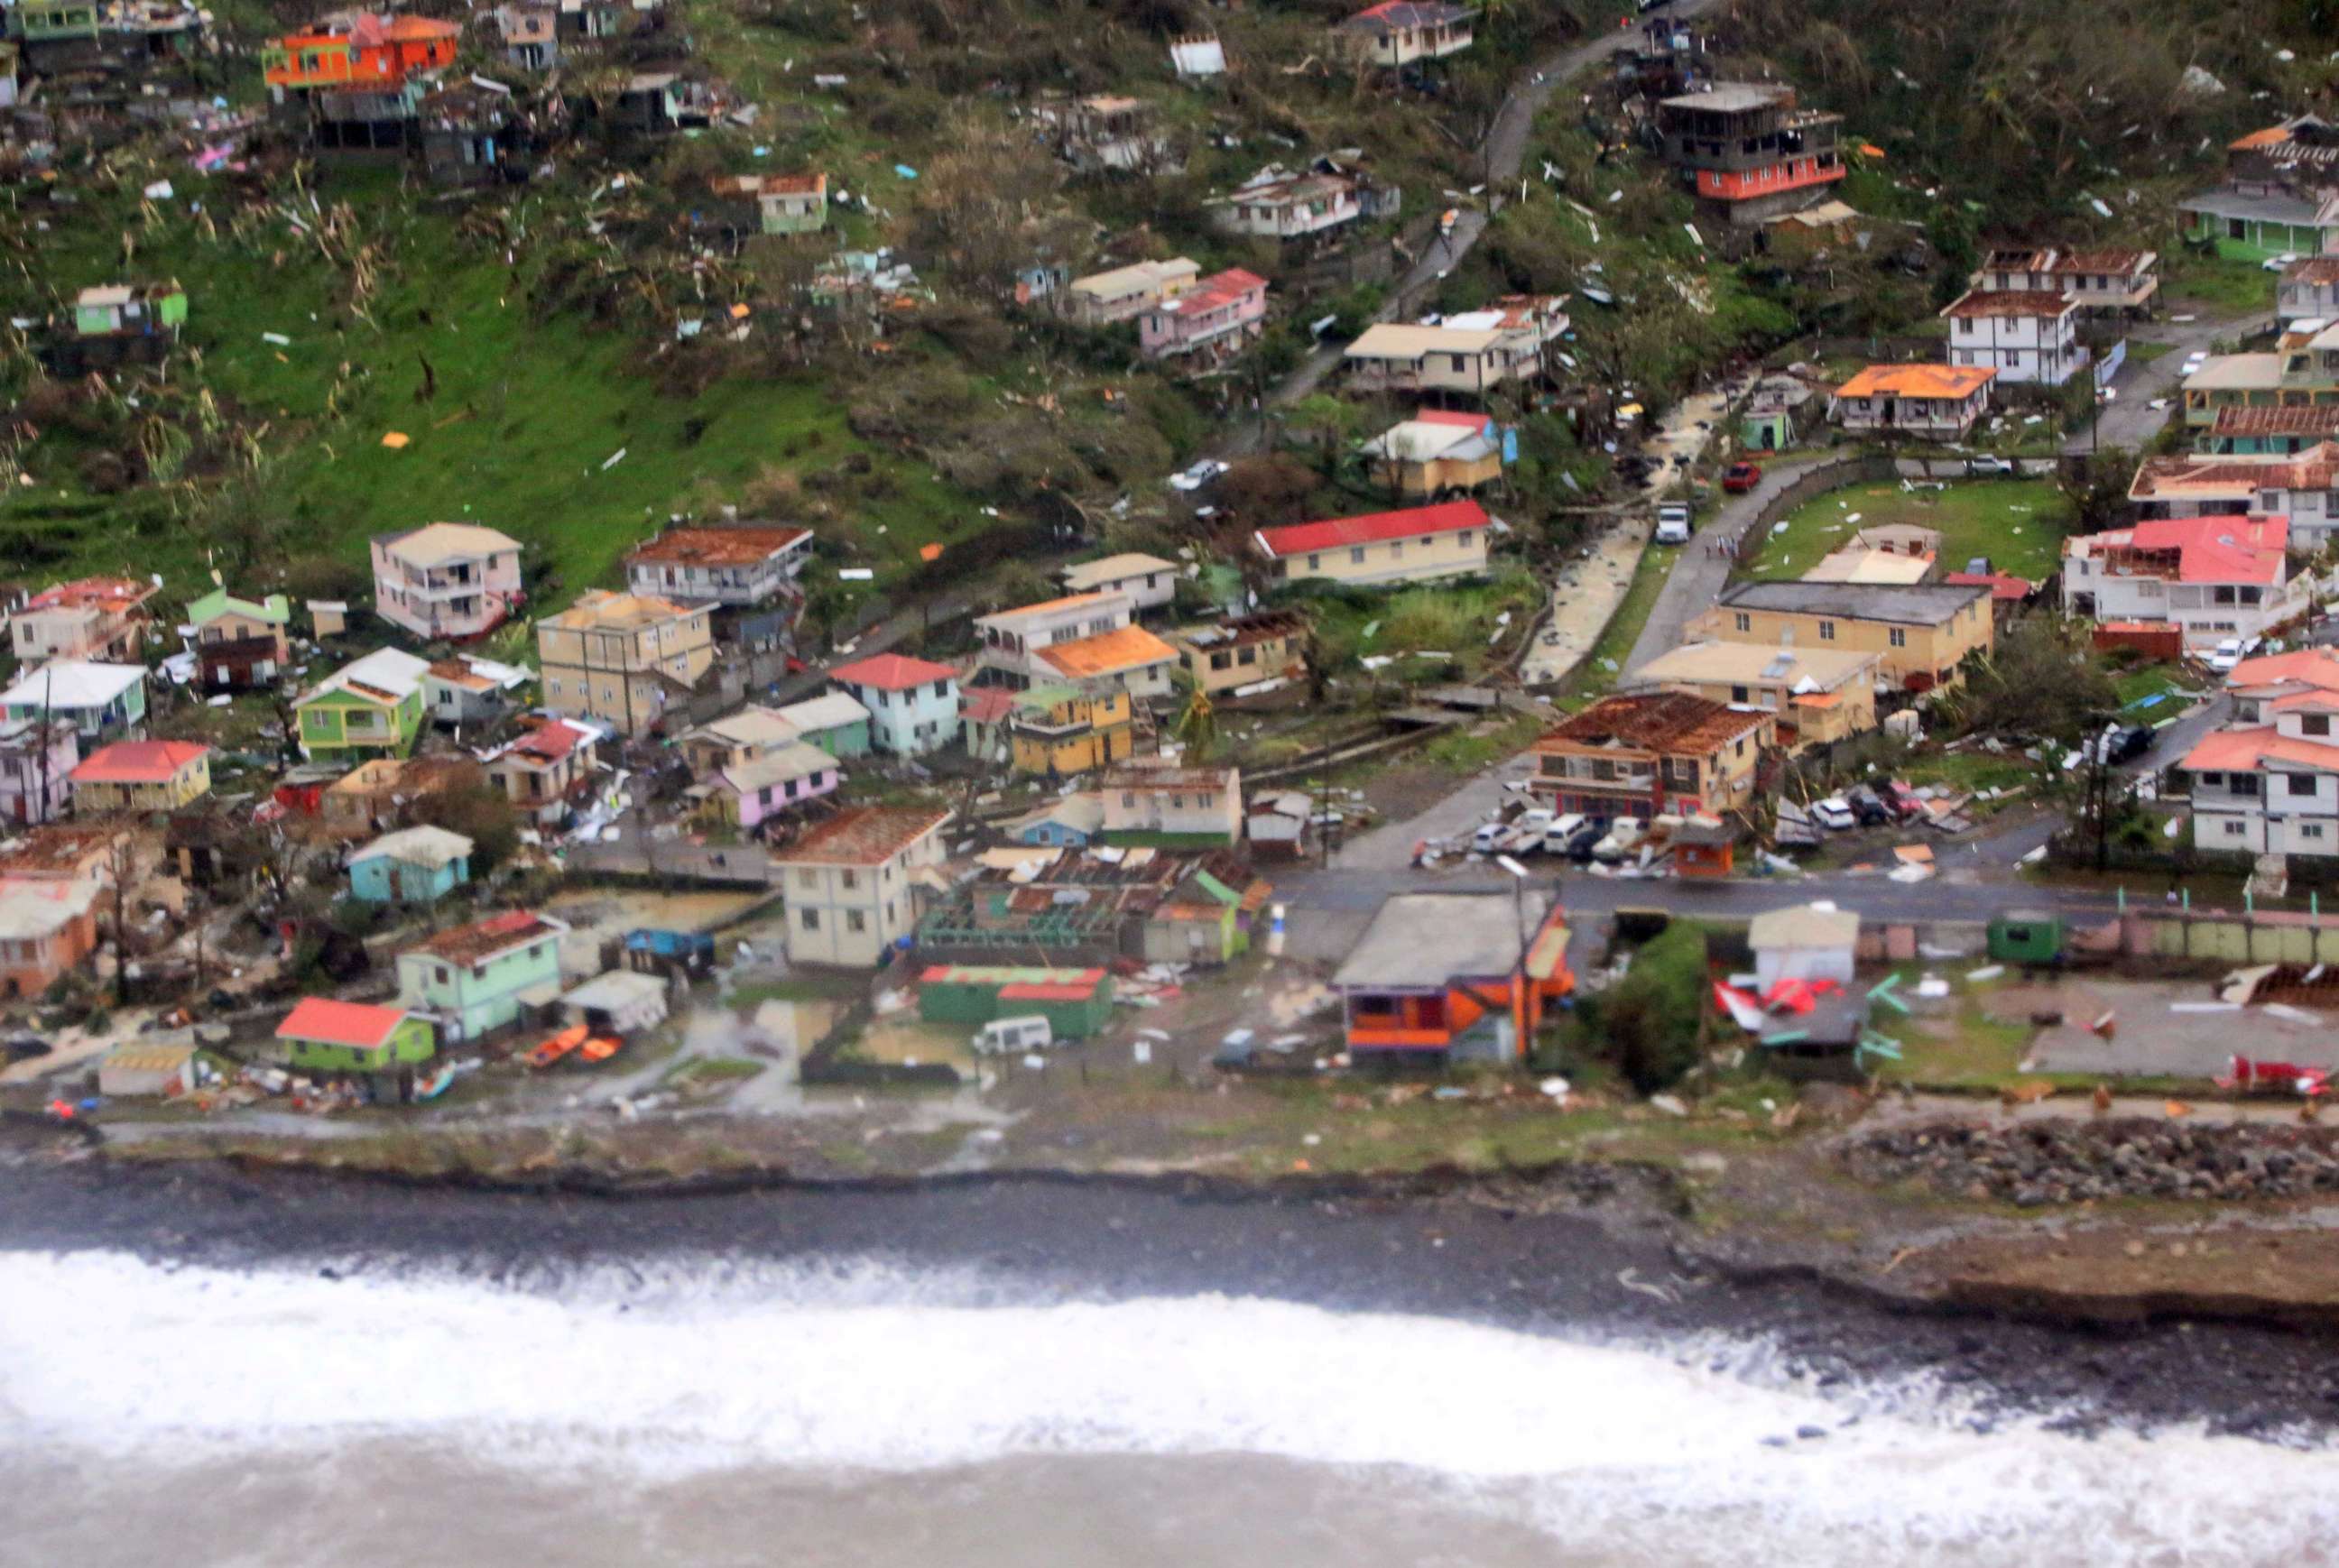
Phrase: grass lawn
(2144, 353)
(2016, 523)
(1458, 619)
(2227, 286)
(2150, 693)
(1972, 770)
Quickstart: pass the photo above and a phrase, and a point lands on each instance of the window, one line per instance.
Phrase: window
(1898, 637)
(2213, 780)
(811, 919)
(1315, 562)
(849, 879)
(1745, 622)
(2315, 724)
(1129, 799)
(808, 878)
(855, 921)
(1737, 694)
(439, 973)
(2233, 829)
(1826, 631)
(2244, 784)
(1221, 661)
(1356, 556)
(1466, 537)
(2300, 784)
(1176, 802)
(2310, 829)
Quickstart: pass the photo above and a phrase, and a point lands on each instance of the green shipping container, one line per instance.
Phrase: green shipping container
(2026, 936)
(1076, 1002)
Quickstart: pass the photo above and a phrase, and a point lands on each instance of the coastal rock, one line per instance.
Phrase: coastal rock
(2054, 1162)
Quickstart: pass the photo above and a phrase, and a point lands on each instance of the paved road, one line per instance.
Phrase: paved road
(1700, 571)
(2131, 421)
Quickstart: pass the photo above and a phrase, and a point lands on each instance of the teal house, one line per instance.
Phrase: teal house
(413, 865)
(833, 721)
(477, 979)
(333, 1038)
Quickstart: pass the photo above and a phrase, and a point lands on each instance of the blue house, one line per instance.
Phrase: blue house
(1069, 821)
(413, 865)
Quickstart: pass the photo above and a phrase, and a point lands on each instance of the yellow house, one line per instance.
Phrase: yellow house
(142, 776)
(1919, 632)
(1437, 452)
(1240, 650)
(1819, 696)
(624, 658)
(1058, 730)
(1418, 545)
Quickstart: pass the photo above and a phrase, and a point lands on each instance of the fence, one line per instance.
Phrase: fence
(730, 864)
(1834, 475)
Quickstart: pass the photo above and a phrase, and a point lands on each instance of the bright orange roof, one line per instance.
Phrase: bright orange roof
(357, 1024)
(2316, 667)
(1959, 382)
(2272, 136)
(2221, 750)
(892, 672)
(139, 762)
(1108, 653)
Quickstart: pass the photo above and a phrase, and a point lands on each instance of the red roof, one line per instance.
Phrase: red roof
(2209, 549)
(1374, 528)
(986, 705)
(138, 762)
(1460, 418)
(892, 673)
(2222, 750)
(2318, 667)
(552, 742)
(1217, 289)
(360, 1025)
(106, 593)
(2001, 585)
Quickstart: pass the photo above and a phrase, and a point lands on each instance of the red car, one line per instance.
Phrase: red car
(1742, 478)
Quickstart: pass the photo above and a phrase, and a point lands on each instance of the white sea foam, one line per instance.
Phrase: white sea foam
(867, 1368)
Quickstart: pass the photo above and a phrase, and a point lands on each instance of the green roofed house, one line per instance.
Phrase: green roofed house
(356, 1040)
(370, 708)
(1076, 1002)
(239, 642)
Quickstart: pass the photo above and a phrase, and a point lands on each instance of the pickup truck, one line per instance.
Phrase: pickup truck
(1741, 478)
(1672, 523)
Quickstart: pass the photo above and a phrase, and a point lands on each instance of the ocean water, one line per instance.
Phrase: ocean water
(702, 1414)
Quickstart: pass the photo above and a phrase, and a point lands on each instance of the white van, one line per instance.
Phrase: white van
(1559, 834)
(1007, 1036)
(1672, 523)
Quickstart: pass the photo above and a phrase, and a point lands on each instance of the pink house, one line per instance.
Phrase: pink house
(1212, 321)
(446, 580)
(769, 786)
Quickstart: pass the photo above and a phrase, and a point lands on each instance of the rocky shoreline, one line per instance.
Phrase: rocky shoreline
(1595, 1250)
(2036, 1163)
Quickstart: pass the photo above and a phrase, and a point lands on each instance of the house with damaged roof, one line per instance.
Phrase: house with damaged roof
(2212, 577)
(1098, 904)
(476, 979)
(2097, 280)
(2280, 194)
(856, 883)
(1653, 754)
(1445, 977)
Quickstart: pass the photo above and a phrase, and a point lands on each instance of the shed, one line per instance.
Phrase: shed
(621, 1001)
(1807, 942)
(1703, 846)
(2026, 936)
(1076, 1002)
(143, 1067)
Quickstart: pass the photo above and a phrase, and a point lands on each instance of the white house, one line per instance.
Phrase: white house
(2302, 487)
(1400, 31)
(1933, 402)
(1085, 639)
(2026, 335)
(1470, 352)
(1806, 941)
(1151, 800)
(2308, 291)
(747, 563)
(913, 703)
(2271, 787)
(1280, 206)
(2096, 280)
(1124, 293)
(1148, 581)
(858, 881)
(2216, 577)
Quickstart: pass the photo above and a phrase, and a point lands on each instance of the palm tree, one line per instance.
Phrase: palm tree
(1197, 728)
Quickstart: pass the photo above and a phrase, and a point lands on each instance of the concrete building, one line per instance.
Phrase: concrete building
(775, 782)
(2097, 280)
(99, 619)
(1748, 152)
(446, 580)
(1418, 545)
(1653, 754)
(1060, 731)
(1168, 805)
(547, 770)
(1930, 402)
(1289, 207)
(47, 928)
(101, 702)
(911, 703)
(1442, 976)
(142, 776)
(739, 566)
(855, 883)
(35, 761)
(1920, 634)
(1819, 696)
(1127, 292)
(1464, 355)
(1011, 640)
(624, 659)
(413, 865)
(2308, 290)
(2026, 335)
(1148, 581)
(2301, 486)
(1208, 324)
(2213, 577)
(474, 980)
(1244, 650)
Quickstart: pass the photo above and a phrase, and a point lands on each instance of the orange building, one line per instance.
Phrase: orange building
(355, 49)
(46, 930)
(1453, 976)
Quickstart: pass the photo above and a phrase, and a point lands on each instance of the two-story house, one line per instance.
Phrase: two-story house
(142, 776)
(35, 760)
(2214, 577)
(858, 882)
(1058, 730)
(241, 642)
(101, 702)
(2026, 335)
(2300, 371)
(2270, 787)
(1748, 152)
(1124, 293)
(2308, 290)
(2245, 432)
(1653, 753)
(1931, 402)
(369, 707)
(2302, 487)
(100, 619)
(738, 567)
(449, 580)
(624, 658)
(1399, 33)
(1208, 323)
(47, 928)
(1167, 805)
(544, 770)
(1418, 545)
(1289, 207)
(325, 1037)
(2097, 281)
(1920, 633)
(1465, 355)
(473, 979)
(772, 782)
(1084, 640)
(2280, 195)
(1148, 581)
(1819, 696)
(911, 703)
(1244, 650)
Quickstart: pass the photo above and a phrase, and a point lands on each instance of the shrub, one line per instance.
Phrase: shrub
(1650, 1018)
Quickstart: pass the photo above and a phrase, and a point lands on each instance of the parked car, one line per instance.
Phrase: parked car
(1007, 1036)
(1624, 835)
(1741, 478)
(2119, 743)
(1901, 799)
(2230, 651)
(1587, 833)
(1988, 465)
(1559, 833)
(1869, 807)
(1672, 523)
(1834, 814)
